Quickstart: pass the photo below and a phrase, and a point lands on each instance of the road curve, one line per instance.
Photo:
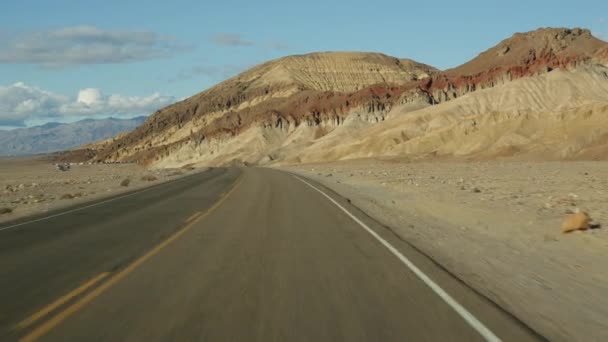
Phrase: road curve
(231, 255)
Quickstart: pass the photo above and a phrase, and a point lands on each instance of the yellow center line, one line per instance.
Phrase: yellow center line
(59, 302)
(63, 315)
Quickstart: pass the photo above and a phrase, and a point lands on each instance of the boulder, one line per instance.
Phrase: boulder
(577, 221)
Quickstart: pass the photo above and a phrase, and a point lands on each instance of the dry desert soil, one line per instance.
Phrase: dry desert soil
(33, 185)
(497, 226)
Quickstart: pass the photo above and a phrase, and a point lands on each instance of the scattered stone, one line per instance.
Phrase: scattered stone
(578, 221)
(328, 175)
(63, 167)
(66, 196)
(550, 238)
(5, 210)
(21, 186)
(572, 210)
(476, 190)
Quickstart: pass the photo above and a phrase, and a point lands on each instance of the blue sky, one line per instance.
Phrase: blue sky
(63, 60)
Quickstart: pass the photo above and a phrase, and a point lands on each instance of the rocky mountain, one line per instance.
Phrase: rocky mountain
(52, 137)
(307, 89)
(279, 110)
(522, 55)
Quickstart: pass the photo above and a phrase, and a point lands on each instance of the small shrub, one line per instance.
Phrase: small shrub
(5, 211)
(67, 196)
(125, 182)
(149, 178)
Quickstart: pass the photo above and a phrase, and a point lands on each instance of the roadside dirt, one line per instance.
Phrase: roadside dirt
(497, 226)
(32, 185)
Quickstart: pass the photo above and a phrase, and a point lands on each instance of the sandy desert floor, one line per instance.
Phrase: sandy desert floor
(496, 225)
(32, 185)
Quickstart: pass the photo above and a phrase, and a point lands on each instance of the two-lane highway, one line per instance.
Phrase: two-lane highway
(231, 255)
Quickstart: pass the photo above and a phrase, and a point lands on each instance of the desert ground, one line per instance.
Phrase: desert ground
(33, 185)
(497, 226)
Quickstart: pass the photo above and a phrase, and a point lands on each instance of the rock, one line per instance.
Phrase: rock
(573, 210)
(578, 221)
(476, 190)
(21, 186)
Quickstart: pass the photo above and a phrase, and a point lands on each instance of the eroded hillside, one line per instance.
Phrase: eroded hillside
(334, 105)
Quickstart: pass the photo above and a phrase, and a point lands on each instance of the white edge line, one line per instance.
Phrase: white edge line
(464, 313)
(90, 205)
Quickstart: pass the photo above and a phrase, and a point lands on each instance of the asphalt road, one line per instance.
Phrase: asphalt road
(231, 255)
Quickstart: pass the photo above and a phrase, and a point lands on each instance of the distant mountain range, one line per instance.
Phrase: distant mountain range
(53, 136)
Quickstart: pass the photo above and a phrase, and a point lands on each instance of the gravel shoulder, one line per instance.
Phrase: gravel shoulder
(496, 225)
(33, 185)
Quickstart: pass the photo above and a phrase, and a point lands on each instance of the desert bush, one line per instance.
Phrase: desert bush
(5, 211)
(149, 178)
(66, 196)
(125, 182)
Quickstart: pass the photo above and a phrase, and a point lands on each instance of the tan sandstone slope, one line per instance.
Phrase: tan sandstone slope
(518, 97)
(558, 115)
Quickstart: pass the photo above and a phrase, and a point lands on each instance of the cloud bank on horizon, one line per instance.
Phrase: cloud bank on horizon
(69, 47)
(23, 105)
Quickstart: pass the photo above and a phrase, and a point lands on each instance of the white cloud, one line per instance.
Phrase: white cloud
(21, 104)
(89, 96)
(84, 45)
